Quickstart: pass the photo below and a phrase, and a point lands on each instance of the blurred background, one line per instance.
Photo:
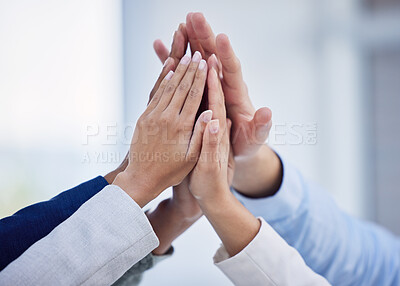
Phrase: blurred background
(75, 75)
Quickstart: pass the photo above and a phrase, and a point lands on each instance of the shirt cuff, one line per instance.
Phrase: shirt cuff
(284, 203)
(267, 260)
(243, 268)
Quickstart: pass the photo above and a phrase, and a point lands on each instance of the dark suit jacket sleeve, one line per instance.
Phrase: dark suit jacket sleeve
(30, 224)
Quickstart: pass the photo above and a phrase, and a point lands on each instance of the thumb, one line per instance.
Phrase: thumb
(209, 151)
(197, 137)
(261, 124)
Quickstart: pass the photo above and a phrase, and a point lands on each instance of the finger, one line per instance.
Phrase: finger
(185, 85)
(204, 34)
(195, 95)
(161, 50)
(192, 38)
(173, 83)
(179, 44)
(157, 96)
(197, 137)
(261, 124)
(216, 100)
(231, 69)
(168, 66)
(214, 63)
(227, 152)
(210, 146)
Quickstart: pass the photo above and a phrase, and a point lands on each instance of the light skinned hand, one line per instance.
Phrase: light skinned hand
(250, 127)
(214, 170)
(182, 200)
(210, 180)
(165, 148)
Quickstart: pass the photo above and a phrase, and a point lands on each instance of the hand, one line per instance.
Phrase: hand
(213, 173)
(258, 170)
(178, 49)
(165, 147)
(209, 180)
(250, 128)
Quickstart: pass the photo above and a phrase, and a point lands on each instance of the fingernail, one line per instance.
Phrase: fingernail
(196, 57)
(214, 126)
(202, 65)
(185, 60)
(167, 61)
(169, 75)
(207, 115)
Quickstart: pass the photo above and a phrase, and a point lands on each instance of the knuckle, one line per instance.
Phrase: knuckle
(164, 119)
(194, 92)
(150, 121)
(155, 97)
(170, 88)
(199, 76)
(191, 69)
(183, 86)
(141, 122)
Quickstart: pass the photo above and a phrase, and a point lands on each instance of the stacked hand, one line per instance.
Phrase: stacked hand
(170, 149)
(165, 147)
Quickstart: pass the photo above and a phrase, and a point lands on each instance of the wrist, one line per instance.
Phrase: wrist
(213, 202)
(187, 212)
(110, 177)
(134, 188)
(259, 175)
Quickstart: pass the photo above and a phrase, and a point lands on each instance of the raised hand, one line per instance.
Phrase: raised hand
(210, 179)
(165, 148)
(250, 128)
(213, 171)
(258, 169)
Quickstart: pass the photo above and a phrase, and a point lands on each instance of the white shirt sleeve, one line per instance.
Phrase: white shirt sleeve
(105, 237)
(267, 260)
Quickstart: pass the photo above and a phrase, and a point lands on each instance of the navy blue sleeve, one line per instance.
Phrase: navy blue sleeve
(30, 224)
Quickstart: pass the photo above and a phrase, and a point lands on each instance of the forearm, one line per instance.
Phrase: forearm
(259, 175)
(233, 223)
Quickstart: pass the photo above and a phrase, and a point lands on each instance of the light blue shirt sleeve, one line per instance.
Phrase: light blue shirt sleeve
(343, 249)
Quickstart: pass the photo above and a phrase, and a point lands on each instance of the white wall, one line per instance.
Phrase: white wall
(60, 69)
